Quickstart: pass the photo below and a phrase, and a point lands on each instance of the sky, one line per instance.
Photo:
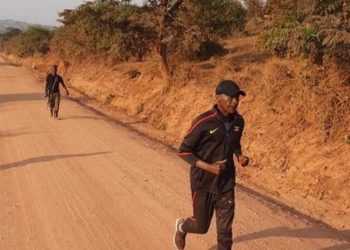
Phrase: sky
(43, 12)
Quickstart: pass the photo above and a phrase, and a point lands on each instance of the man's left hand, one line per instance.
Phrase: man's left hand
(243, 160)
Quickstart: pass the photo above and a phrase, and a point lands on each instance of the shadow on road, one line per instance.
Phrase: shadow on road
(49, 158)
(142, 121)
(345, 246)
(81, 117)
(8, 64)
(21, 97)
(303, 233)
(15, 132)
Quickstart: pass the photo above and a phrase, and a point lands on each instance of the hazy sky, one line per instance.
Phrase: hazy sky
(37, 11)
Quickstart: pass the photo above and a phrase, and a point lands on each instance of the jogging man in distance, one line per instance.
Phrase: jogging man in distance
(208, 147)
(52, 91)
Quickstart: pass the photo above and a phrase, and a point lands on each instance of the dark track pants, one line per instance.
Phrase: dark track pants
(204, 205)
(54, 102)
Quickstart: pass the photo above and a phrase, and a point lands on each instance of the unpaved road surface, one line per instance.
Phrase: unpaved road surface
(82, 182)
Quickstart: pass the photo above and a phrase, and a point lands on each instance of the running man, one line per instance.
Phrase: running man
(52, 90)
(208, 147)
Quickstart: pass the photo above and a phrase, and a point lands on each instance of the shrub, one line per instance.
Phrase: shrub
(34, 40)
(199, 25)
(125, 31)
(103, 27)
(276, 39)
(323, 34)
(216, 17)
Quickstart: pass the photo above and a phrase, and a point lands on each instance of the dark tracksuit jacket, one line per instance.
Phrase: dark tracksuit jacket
(211, 138)
(53, 84)
(52, 89)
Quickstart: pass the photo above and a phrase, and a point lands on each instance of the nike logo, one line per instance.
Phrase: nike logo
(212, 131)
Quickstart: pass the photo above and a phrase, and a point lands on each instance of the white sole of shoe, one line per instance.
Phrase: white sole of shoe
(176, 223)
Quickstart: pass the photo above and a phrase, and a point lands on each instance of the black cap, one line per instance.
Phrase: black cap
(230, 88)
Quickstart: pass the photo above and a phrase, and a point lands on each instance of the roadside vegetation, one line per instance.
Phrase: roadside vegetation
(318, 30)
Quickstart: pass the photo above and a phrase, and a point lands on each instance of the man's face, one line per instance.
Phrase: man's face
(54, 70)
(228, 104)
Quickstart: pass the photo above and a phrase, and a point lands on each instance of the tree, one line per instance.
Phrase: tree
(187, 27)
(10, 32)
(166, 11)
(323, 33)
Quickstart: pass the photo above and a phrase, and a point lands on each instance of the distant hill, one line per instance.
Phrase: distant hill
(7, 23)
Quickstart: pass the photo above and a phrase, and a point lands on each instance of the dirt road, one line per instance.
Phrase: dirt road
(82, 182)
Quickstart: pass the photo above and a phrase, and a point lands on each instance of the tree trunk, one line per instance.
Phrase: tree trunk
(167, 8)
(162, 35)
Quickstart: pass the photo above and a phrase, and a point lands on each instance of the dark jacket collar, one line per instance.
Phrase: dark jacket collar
(221, 117)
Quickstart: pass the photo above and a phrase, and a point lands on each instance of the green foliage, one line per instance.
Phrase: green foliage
(103, 27)
(308, 33)
(199, 25)
(323, 34)
(35, 40)
(10, 32)
(216, 17)
(294, 39)
(334, 28)
(277, 39)
(126, 31)
(28, 43)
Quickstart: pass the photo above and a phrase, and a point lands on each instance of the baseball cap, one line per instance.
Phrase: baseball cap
(230, 88)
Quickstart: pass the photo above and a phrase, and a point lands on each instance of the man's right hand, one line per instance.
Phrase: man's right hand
(214, 168)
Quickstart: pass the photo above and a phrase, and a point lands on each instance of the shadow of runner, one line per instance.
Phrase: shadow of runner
(46, 159)
(21, 97)
(345, 246)
(303, 233)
